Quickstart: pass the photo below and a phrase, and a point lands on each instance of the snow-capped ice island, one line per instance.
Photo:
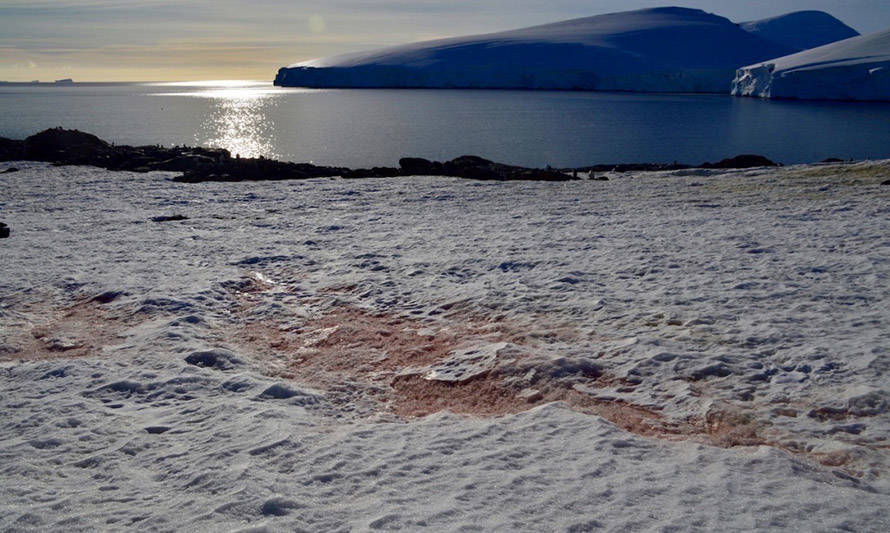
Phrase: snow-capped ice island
(854, 69)
(669, 49)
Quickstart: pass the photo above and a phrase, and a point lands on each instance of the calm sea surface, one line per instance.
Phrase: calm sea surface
(376, 127)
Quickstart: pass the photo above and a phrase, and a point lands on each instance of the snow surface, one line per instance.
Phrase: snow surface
(801, 30)
(853, 69)
(660, 50)
(765, 293)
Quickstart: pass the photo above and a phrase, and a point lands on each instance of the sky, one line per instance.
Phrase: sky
(165, 40)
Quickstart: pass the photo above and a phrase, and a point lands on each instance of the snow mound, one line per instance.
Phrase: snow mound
(801, 30)
(625, 51)
(854, 69)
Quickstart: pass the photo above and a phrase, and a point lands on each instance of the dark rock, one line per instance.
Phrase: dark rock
(742, 161)
(418, 166)
(183, 163)
(259, 169)
(4, 231)
(11, 150)
(376, 172)
(475, 167)
(832, 160)
(467, 166)
(468, 161)
(135, 164)
(886, 182)
(10, 170)
(65, 146)
(169, 218)
(72, 147)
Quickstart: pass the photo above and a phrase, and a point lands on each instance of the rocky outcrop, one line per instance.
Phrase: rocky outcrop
(739, 161)
(69, 146)
(259, 169)
(466, 166)
(742, 161)
(72, 147)
(11, 150)
(375, 172)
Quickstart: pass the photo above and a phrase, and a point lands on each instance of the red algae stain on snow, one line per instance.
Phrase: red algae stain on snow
(349, 343)
(488, 395)
(390, 356)
(482, 396)
(79, 330)
(387, 358)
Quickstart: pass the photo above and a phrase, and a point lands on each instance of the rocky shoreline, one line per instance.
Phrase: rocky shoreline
(72, 147)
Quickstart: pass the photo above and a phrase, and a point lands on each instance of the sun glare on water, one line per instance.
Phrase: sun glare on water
(241, 117)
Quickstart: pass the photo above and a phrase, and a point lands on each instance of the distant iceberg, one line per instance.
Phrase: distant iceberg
(654, 50)
(853, 69)
(801, 30)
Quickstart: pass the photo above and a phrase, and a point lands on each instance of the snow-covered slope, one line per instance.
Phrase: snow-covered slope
(661, 50)
(238, 370)
(854, 69)
(801, 30)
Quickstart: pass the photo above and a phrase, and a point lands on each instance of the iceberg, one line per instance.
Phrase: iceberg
(653, 50)
(801, 30)
(853, 69)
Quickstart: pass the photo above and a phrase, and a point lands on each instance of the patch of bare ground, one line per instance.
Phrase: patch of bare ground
(58, 331)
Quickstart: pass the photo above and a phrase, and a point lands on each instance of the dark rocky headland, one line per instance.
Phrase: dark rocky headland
(72, 147)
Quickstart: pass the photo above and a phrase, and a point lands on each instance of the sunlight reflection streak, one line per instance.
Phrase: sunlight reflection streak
(240, 117)
(240, 121)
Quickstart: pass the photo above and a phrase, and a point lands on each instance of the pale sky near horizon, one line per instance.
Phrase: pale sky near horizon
(166, 40)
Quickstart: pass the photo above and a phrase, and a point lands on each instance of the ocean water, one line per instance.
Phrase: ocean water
(376, 127)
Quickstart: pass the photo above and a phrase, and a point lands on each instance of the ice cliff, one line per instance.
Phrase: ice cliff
(853, 69)
(659, 50)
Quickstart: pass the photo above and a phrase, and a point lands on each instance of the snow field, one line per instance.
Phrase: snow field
(201, 374)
